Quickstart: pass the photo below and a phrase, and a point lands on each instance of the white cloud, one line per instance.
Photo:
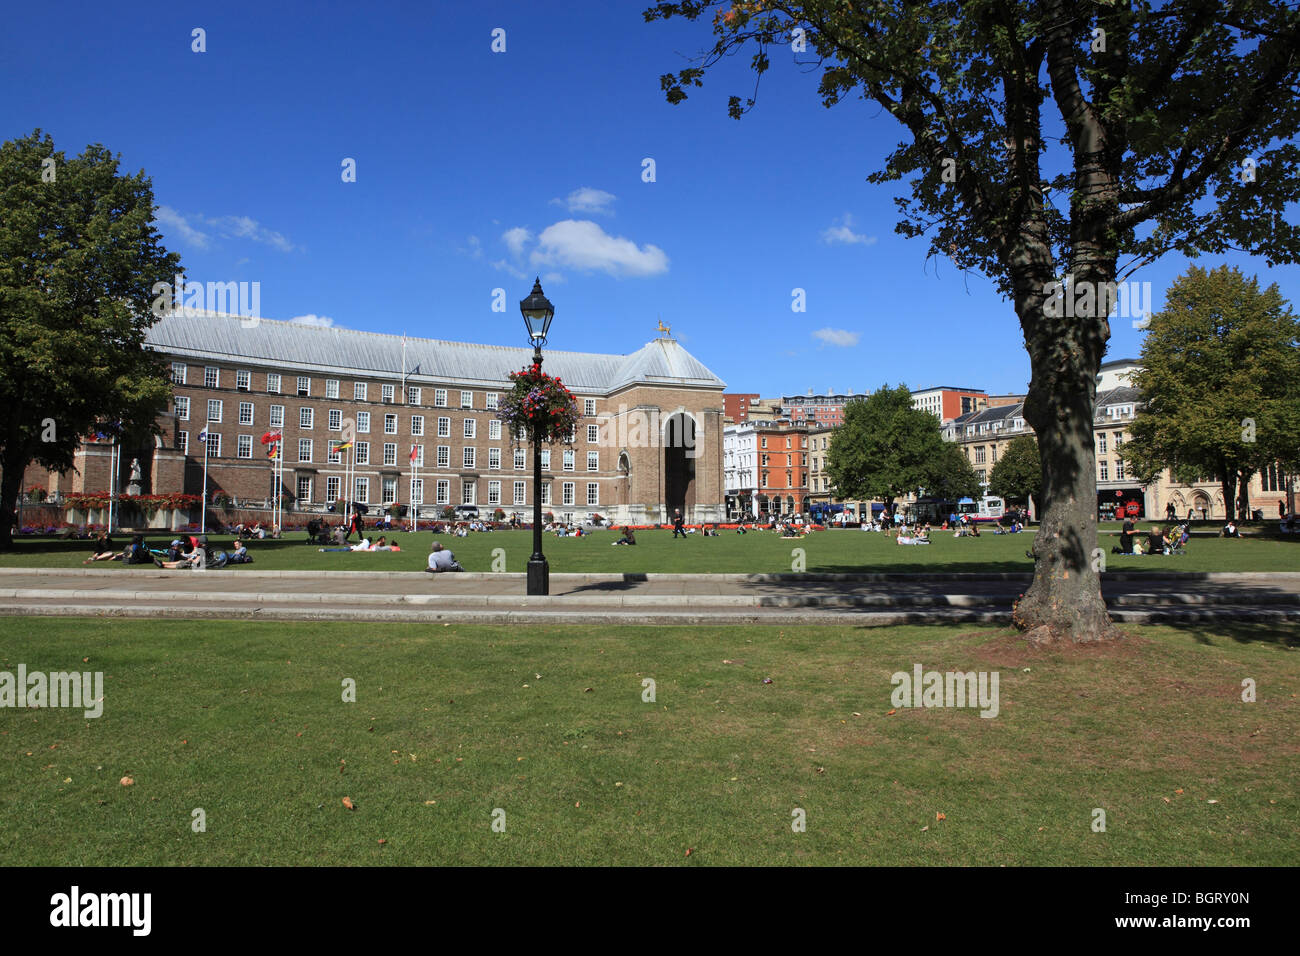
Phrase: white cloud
(582, 244)
(320, 321)
(587, 200)
(473, 248)
(515, 239)
(190, 229)
(841, 337)
(171, 219)
(843, 233)
(502, 266)
(552, 278)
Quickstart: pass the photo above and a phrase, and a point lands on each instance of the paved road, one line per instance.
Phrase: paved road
(858, 599)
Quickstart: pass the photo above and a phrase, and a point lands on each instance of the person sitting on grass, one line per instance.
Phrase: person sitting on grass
(440, 560)
(103, 550)
(1230, 530)
(905, 538)
(136, 552)
(628, 536)
(740, 528)
(1156, 543)
(240, 555)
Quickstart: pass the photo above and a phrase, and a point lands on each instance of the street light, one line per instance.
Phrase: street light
(537, 311)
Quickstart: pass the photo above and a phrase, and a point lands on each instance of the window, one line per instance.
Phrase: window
(979, 455)
(304, 449)
(335, 419)
(494, 493)
(419, 456)
(520, 460)
(417, 425)
(593, 461)
(304, 385)
(359, 391)
(787, 441)
(494, 458)
(980, 474)
(412, 395)
(490, 400)
(993, 452)
(388, 490)
(362, 490)
(306, 416)
(183, 442)
(390, 453)
(244, 446)
(178, 373)
(304, 489)
(331, 388)
(494, 430)
(520, 493)
(593, 493)
(471, 426)
(568, 459)
(444, 456)
(764, 441)
(363, 423)
(589, 406)
(182, 408)
(440, 397)
(444, 427)
(468, 456)
(468, 489)
(546, 492)
(245, 413)
(211, 377)
(566, 493)
(214, 445)
(466, 399)
(386, 394)
(1105, 471)
(417, 491)
(277, 416)
(546, 459)
(1119, 439)
(332, 485)
(390, 424)
(362, 449)
(1119, 470)
(764, 457)
(214, 410)
(1101, 443)
(593, 434)
(272, 383)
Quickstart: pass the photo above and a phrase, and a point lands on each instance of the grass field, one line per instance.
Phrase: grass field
(246, 721)
(756, 552)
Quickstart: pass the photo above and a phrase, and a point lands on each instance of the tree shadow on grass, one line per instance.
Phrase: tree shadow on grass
(1280, 633)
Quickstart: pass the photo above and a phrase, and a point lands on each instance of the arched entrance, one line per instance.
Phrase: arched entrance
(679, 463)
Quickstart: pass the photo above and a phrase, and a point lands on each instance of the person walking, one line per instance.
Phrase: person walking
(1170, 513)
(679, 524)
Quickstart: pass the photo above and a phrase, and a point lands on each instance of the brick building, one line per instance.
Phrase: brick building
(815, 410)
(946, 402)
(649, 440)
(735, 406)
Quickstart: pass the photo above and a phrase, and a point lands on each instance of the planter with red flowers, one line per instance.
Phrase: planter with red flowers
(539, 405)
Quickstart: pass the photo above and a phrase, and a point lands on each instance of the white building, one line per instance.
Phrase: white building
(740, 467)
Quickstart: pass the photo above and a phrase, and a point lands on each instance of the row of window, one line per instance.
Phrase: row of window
(442, 491)
(360, 390)
(1103, 470)
(361, 453)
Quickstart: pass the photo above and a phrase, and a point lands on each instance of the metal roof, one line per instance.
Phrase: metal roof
(348, 351)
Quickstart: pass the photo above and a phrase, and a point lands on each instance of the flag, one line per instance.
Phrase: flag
(413, 454)
(270, 437)
(346, 445)
(274, 451)
(203, 435)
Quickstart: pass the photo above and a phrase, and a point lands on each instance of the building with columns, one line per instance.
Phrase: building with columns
(649, 440)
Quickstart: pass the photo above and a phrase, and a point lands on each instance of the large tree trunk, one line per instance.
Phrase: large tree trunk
(11, 485)
(1243, 478)
(1229, 482)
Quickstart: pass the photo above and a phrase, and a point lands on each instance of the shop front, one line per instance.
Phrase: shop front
(1116, 504)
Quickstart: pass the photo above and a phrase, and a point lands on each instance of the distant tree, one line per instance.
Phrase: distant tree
(886, 449)
(78, 260)
(1054, 146)
(1220, 383)
(952, 476)
(1018, 474)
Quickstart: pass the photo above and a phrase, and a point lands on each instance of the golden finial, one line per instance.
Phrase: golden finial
(667, 330)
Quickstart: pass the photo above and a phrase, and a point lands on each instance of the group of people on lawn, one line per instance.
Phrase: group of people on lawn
(188, 553)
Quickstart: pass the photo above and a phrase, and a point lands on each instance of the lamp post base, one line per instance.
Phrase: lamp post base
(539, 576)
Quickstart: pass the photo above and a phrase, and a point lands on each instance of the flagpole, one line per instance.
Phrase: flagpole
(203, 525)
(112, 482)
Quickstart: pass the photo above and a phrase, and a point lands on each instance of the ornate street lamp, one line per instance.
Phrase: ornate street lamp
(538, 312)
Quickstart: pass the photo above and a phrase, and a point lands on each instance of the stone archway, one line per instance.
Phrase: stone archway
(679, 434)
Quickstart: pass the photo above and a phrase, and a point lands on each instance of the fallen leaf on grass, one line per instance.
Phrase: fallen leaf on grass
(941, 816)
(126, 781)
(1179, 790)
(924, 828)
(690, 850)
(429, 803)
(856, 714)
(382, 841)
(891, 713)
(1166, 800)
(347, 802)
(1211, 801)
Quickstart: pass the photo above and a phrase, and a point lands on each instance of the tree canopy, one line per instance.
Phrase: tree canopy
(1220, 380)
(1018, 474)
(886, 449)
(78, 259)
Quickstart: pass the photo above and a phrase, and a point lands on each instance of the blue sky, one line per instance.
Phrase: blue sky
(477, 170)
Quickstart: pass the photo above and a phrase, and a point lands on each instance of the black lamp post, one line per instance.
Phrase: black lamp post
(537, 311)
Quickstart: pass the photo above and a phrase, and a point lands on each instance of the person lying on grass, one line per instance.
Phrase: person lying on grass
(103, 550)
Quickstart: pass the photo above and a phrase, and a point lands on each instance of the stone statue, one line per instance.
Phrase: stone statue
(134, 487)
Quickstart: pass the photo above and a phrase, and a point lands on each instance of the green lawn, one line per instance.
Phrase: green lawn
(762, 551)
(245, 720)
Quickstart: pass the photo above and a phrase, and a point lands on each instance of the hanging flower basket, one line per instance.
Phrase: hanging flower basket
(539, 404)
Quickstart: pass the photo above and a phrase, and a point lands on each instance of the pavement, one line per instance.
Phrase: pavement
(863, 599)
